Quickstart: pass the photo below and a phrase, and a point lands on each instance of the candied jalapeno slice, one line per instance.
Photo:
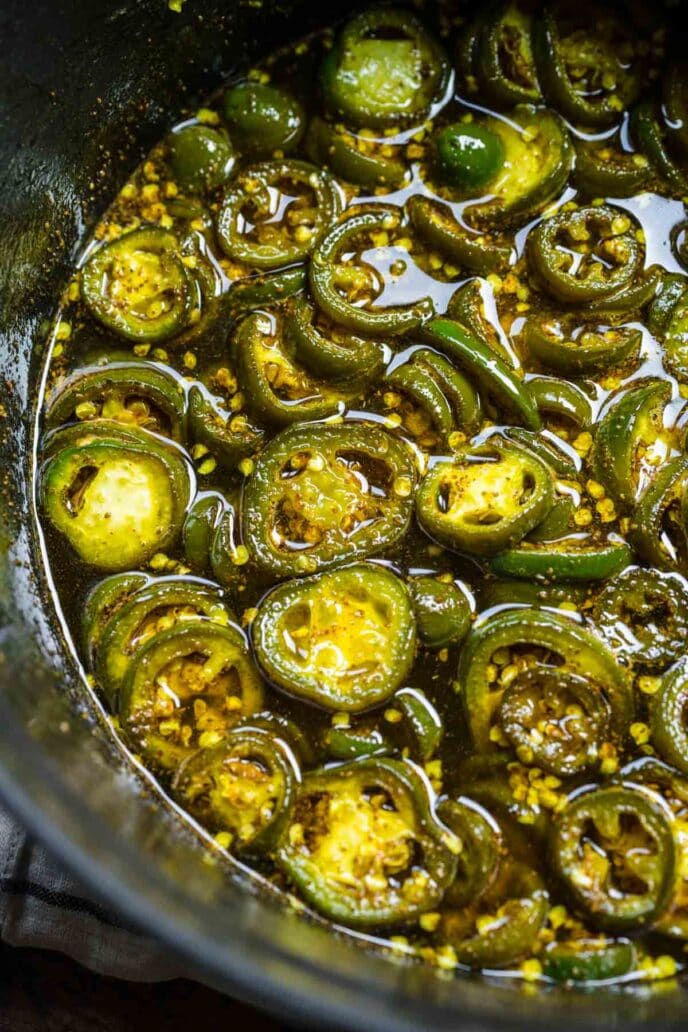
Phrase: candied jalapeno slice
(263, 119)
(199, 529)
(443, 610)
(201, 158)
(346, 742)
(580, 350)
(138, 285)
(383, 70)
(556, 720)
(557, 522)
(265, 289)
(675, 352)
(102, 601)
(561, 399)
(468, 306)
(243, 788)
(486, 500)
(669, 291)
(467, 156)
(483, 364)
(363, 846)
(277, 388)
(659, 529)
(504, 57)
(185, 688)
(275, 212)
(330, 352)
(421, 728)
(321, 495)
(518, 903)
(229, 436)
(587, 959)
(587, 62)
(159, 605)
(442, 399)
(604, 169)
(614, 851)
(643, 614)
(669, 713)
(137, 394)
(650, 134)
(675, 103)
(508, 591)
(117, 500)
(357, 160)
(573, 558)
(339, 283)
(543, 638)
(586, 254)
(435, 224)
(483, 847)
(343, 640)
(546, 448)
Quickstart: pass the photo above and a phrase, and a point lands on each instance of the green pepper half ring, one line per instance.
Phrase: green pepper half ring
(331, 353)
(384, 69)
(568, 559)
(483, 846)
(586, 254)
(265, 289)
(336, 284)
(669, 290)
(604, 169)
(199, 528)
(659, 531)
(614, 851)
(676, 339)
(668, 717)
(588, 960)
(344, 639)
(321, 495)
(561, 399)
(480, 253)
(650, 135)
(363, 846)
(342, 152)
(485, 500)
(246, 225)
(585, 351)
(133, 393)
(446, 397)
(581, 653)
(185, 688)
(139, 287)
(243, 787)
(228, 436)
(102, 602)
(504, 59)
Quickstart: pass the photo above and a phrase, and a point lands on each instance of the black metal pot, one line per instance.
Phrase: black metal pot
(85, 87)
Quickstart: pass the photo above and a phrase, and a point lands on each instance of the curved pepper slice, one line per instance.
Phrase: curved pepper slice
(329, 352)
(614, 850)
(585, 350)
(588, 960)
(570, 559)
(254, 227)
(443, 611)
(474, 251)
(321, 495)
(605, 169)
(483, 847)
(344, 639)
(364, 848)
(102, 602)
(138, 285)
(486, 500)
(185, 688)
(229, 436)
(659, 530)
(343, 152)
(445, 397)
(384, 69)
(650, 133)
(669, 291)
(561, 399)
(469, 305)
(265, 289)
(581, 651)
(668, 717)
(199, 528)
(242, 788)
(676, 339)
(137, 394)
(504, 58)
(337, 284)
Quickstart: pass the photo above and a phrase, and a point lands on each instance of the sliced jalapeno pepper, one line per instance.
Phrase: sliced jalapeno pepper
(650, 135)
(631, 298)
(643, 614)
(355, 743)
(669, 291)
(278, 390)
(136, 394)
(265, 289)
(582, 351)
(557, 522)
(588, 960)
(659, 530)
(159, 605)
(479, 860)
(117, 500)
(199, 529)
(201, 158)
(676, 339)
(571, 559)
(586, 254)
(481, 253)
(547, 449)
(467, 306)
(587, 64)
(227, 555)
(321, 495)
(479, 361)
(138, 285)
(185, 688)
(337, 284)
(613, 849)
(446, 398)
(675, 104)
(467, 156)
(101, 602)
(443, 611)
(263, 119)
(357, 160)
(486, 500)
(331, 353)
(229, 436)
(560, 398)
(582, 653)
(344, 639)
(604, 169)
(276, 212)
(504, 57)
(507, 592)
(383, 70)
(244, 786)
(421, 727)
(668, 717)
(364, 848)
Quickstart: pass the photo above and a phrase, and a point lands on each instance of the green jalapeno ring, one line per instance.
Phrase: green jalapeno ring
(102, 601)
(267, 245)
(228, 436)
(504, 58)
(582, 651)
(373, 321)
(357, 359)
(443, 611)
(485, 500)
(663, 509)
(337, 149)
(383, 70)
(483, 846)
(378, 800)
(605, 170)
(343, 640)
(263, 119)
(476, 252)
(265, 289)
(668, 717)
(199, 529)
(244, 787)
(135, 393)
(441, 391)
(138, 286)
(197, 661)
(305, 507)
(589, 352)
(630, 299)
(676, 339)
(568, 559)
(560, 398)
(588, 960)
(162, 603)
(201, 158)
(624, 880)
(643, 614)
(671, 287)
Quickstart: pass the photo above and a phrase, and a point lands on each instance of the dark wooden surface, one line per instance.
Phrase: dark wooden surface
(45, 992)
